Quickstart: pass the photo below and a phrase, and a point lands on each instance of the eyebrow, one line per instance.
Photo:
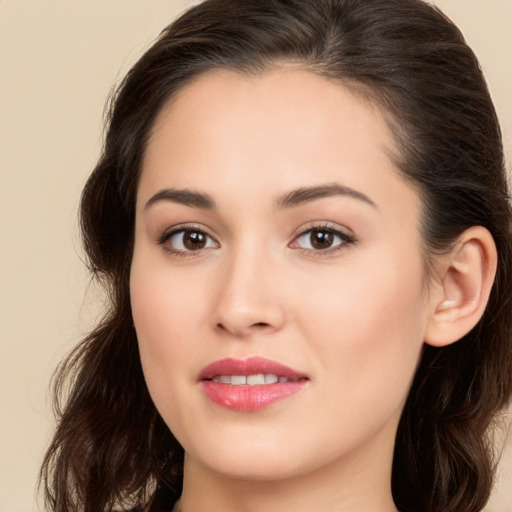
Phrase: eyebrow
(304, 195)
(291, 199)
(183, 196)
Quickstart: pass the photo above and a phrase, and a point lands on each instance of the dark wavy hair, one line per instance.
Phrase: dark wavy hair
(111, 448)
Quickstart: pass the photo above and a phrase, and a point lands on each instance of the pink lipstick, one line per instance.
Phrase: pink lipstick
(249, 384)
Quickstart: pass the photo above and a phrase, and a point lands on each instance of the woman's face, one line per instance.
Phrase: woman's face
(277, 284)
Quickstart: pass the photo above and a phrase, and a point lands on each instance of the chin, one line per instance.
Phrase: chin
(253, 467)
(247, 457)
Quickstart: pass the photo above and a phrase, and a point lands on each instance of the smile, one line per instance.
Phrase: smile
(250, 380)
(249, 384)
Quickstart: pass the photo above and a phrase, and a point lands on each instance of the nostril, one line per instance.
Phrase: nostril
(243, 331)
(260, 324)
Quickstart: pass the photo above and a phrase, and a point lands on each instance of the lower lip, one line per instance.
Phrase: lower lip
(249, 398)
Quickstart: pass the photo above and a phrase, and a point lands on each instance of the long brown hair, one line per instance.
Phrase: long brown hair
(111, 447)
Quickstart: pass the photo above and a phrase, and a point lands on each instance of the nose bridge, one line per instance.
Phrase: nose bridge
(247, 300)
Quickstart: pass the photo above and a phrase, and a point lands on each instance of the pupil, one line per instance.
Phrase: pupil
(194, 240)
(321, 239)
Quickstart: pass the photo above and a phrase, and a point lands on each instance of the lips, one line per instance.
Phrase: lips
(249, 384)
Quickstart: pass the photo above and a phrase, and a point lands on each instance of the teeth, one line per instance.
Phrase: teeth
(238, 380)
(250, 380)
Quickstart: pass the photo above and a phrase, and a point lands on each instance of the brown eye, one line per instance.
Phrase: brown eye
(185, 241)
(194, 240)
(321, 239)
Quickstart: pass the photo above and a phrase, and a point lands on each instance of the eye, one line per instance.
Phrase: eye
(186, 240)
(322, 239)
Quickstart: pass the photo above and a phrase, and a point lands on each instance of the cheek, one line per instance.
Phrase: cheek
(166, 313)
(164, 298)
(368, 322)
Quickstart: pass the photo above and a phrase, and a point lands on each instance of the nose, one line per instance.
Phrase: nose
(248, 300)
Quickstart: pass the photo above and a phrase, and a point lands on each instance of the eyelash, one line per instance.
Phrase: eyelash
(167, 235)
(344, 240)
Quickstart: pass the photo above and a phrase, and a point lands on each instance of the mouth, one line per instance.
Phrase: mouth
(256, 379)
(249, 384)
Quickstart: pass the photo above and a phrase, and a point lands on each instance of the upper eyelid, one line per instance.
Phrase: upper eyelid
(323, 225)
(163, 242)
(346, 235)
(166, 234)
(187, 227)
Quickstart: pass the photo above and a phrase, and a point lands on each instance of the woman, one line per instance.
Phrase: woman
(301, 216)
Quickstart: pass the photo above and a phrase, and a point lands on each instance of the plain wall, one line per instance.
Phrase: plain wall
(58, 61)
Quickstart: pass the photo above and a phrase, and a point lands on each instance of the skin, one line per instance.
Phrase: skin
(352, 318)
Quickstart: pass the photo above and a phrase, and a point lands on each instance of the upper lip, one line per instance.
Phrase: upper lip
(250, 366)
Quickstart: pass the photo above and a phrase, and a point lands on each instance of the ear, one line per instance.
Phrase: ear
(460, 292)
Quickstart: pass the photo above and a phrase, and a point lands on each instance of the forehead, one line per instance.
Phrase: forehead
(294, 100)
(270, 132)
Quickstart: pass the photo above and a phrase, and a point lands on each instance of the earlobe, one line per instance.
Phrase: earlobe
(464, 283)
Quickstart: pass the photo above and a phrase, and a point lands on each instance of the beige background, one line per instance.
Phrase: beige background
(58, 61)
